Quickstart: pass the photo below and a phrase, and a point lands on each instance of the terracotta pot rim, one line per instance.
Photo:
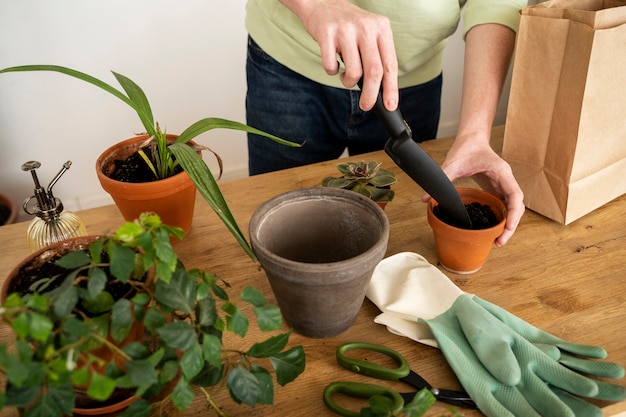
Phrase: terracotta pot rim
(67, 245)
(499, 211)
(105, 158)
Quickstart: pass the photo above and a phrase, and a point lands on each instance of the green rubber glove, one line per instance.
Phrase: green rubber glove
(503, 369)
(556, 347)
(471, 338)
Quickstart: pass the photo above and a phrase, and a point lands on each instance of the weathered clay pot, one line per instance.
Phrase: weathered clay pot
(319, 247)
(464, 251)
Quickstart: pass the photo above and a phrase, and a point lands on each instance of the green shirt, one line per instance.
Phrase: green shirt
(420, 29)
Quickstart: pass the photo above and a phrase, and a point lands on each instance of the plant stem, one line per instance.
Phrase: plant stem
(212, 403)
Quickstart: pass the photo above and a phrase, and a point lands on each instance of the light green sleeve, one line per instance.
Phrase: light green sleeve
(479, 12)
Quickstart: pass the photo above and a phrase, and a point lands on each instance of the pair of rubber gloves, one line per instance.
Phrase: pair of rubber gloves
(508, 367)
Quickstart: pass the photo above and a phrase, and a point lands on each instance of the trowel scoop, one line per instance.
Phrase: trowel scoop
(422, 169)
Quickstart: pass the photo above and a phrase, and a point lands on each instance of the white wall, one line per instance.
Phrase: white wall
(189, 57)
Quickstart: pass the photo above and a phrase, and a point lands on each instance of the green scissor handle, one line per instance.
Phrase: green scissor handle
(369, 368)
(359, 390)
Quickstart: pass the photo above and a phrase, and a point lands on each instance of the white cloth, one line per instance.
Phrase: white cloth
(406, 288)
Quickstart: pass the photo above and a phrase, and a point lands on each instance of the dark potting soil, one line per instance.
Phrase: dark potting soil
(38, 270)
(135, 169)
(481, 216)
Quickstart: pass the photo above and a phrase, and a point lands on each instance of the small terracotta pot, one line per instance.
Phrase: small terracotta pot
(464, 251)
(8, 202)
(318, 247)
(172, 198)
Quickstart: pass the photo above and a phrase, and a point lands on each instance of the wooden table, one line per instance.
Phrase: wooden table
(567, 280)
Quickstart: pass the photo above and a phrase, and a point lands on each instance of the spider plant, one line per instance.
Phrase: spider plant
(165, 158)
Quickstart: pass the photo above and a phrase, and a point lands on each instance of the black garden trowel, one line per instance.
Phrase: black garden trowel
(422, 169)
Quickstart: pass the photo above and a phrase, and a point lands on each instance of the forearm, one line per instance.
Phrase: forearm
(488, 52)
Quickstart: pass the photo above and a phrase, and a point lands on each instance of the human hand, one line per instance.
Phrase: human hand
(469, 157)
(363, 40)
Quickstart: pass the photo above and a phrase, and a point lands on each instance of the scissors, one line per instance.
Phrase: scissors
(401, 373)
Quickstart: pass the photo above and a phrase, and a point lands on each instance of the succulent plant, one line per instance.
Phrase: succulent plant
(366, 178)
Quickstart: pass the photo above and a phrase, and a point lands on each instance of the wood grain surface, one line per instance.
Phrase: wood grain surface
(567, 280)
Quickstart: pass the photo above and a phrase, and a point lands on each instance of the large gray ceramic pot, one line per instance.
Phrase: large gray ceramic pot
(318, 247)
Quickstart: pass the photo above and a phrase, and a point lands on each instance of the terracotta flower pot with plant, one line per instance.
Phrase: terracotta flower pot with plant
(173, 197)
(365, 178)
(165, 159)
(462, 250)
(80, 307)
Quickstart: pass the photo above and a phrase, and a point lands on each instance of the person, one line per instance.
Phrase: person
(305, 58)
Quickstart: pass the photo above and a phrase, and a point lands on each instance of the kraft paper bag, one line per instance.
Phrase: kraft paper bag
(565, 134)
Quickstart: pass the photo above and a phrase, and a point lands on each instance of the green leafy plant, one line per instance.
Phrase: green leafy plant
(164, 159)
(94, 300)
(366, 178)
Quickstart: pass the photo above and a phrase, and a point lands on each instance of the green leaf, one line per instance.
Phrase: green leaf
(206, 312)
(266, 384)
(137, 350)
(236, 320)
(141, 373)
(243, 386)
(138, 97)
(253, 296)
(212, 349)
(40, 327)
(207, 186)
(95, 251)
(21, 325)
(153, 320)
(121, 319)
(192, 361)
(268, 317)
(75, 328)
(179, 335)
(164, 250)
(101, 303)
(101, 387)
(38, 302)
(183, 394)
(57, 401)
(270, 347)
(128, 232)
(179, 293)
(423, 400)
(168, 371)
(74, 259)
(66, 302)
(122, 262)
(288, 365)
(97, 281)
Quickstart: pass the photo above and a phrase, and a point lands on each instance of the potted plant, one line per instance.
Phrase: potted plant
(89, 300)
(366, 178)
(462, 250)
(162, 155)
(8, 210)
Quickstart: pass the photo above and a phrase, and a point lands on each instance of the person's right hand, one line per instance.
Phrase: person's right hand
(363, 40)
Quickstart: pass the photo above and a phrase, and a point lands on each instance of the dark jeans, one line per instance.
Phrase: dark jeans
(326, 119)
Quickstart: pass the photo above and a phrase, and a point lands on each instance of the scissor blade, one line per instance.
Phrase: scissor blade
(452, 397)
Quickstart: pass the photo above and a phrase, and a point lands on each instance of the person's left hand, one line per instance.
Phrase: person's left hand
(469, 157)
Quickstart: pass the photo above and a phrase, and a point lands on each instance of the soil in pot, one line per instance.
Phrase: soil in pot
(481, 216)
(135, 169)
